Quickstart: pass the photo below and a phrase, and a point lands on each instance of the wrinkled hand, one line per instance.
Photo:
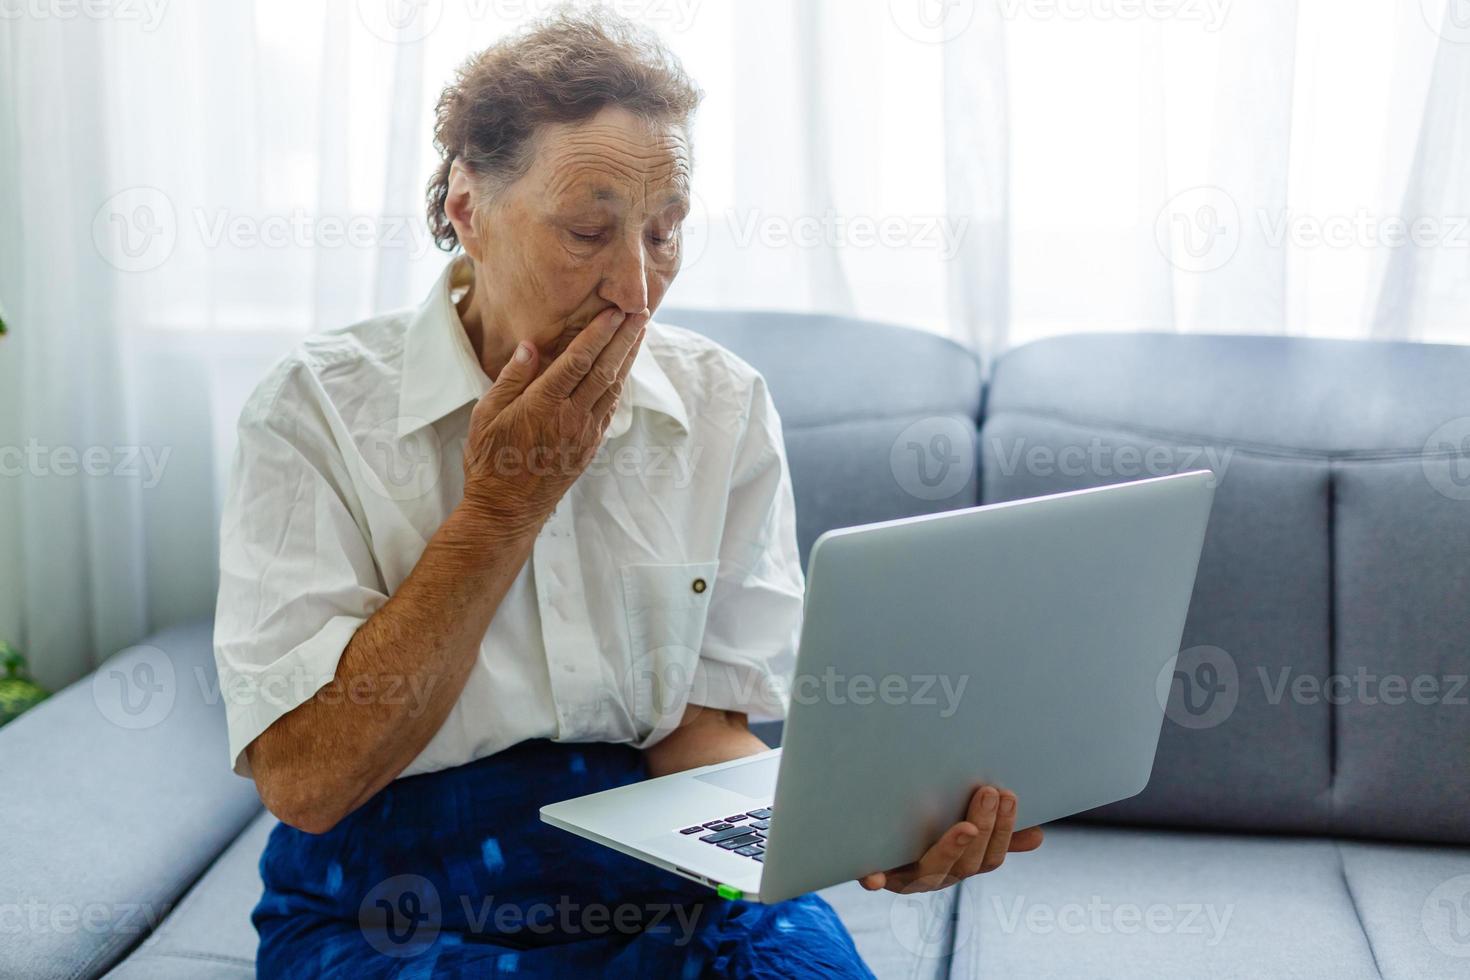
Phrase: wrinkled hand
(973, 846)
(531, 436)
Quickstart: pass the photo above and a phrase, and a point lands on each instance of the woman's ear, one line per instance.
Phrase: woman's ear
(459, 207)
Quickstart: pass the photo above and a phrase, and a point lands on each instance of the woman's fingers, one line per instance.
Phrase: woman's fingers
(974, 846)
(936, 868)
(513, 379)
(983, 813)
(1000, 835)
(1026, 840)
(603, 410)
(564, 374)
(611, 364)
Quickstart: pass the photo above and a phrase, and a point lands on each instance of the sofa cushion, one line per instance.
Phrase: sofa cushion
(909, 936)
(1414, 902)
(1333, 572)
(209, 935)
(1111, 902)
(1401, 680)
(1261, 602)
(1276, 394)
(879, 420)
(118, 796)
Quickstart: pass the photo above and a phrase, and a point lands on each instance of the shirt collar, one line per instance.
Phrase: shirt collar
(441, 373)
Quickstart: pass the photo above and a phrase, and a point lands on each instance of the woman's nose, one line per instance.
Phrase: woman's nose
(625, 281)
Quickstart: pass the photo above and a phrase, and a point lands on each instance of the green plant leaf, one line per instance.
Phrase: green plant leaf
(12, 664)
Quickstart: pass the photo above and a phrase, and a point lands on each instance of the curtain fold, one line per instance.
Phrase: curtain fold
(77, 562)
(188, 189)
(1425, 292)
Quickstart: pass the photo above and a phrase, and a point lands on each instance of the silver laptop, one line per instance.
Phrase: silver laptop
(1017, 644)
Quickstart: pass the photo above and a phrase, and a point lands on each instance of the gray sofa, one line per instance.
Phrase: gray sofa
(1310, 805)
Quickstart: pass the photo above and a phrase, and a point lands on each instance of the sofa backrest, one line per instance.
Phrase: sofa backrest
(1321, 685)
(1322, 681)
(879, 420)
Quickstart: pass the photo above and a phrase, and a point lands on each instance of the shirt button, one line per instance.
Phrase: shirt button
(700, 585)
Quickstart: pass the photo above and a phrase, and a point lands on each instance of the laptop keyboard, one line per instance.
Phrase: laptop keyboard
(740, 833)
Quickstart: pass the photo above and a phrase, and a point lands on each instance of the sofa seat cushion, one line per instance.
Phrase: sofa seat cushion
(1414, 902)
(208, 936)
(900, 936)
(1115, 902)
(118, 794)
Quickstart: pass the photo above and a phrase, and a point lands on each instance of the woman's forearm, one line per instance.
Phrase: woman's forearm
(704, 737)
(397, 680)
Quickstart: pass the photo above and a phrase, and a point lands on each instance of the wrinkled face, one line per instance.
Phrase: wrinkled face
(594, 223)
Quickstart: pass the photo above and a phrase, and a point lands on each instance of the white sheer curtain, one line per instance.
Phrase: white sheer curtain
(186, 189)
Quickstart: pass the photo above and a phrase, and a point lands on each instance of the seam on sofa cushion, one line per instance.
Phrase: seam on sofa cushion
(868, 419)
(118, 948)
(1357, 913)
(1251, 448)
(189, 955)
(1332, 659)
(951, 943)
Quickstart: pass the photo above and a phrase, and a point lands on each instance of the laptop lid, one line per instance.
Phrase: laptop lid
(1017, 644)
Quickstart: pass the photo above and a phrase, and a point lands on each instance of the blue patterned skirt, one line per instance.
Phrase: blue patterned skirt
(452, 874)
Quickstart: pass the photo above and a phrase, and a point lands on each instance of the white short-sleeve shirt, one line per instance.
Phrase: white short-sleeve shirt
(667, 575)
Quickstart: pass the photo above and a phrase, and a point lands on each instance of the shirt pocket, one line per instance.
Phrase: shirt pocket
(666, 606)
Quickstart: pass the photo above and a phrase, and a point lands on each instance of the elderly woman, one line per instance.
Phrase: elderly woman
(461, 578)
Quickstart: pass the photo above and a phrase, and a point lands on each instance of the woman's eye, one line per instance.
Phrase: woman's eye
(586, 236)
